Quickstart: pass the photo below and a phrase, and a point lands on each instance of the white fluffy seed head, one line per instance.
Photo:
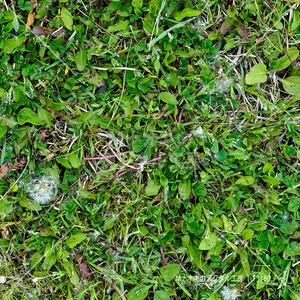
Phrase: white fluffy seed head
(42, 189)
(230, 293)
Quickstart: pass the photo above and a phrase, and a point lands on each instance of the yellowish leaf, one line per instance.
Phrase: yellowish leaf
(30, 20)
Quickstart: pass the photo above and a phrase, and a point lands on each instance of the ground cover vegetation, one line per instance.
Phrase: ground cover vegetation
(149, 149)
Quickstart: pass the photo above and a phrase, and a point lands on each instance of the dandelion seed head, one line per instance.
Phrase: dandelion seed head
(228, 293)
(42, 189)
(199, 131)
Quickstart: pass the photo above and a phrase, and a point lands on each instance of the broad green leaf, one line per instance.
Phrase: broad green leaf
(45, 116)
(5, 208)
(69, 268)
(157, 65)
(74, 159)
(245, 262)
(209, 241)
(294, 204)
(10, 45)
(226, 26)
(161, 295)
(139, 145)
(120, 26)
(247, 234)
(26, 115)
(137, 4)
(221, 155)
(186, 13)
(215, 147)
(67, 18)
(240, 226)
(164, 181)
(200, 190)
(75, 239)
(3, 130)
(270, 179)
(272, 46)
(64, 161)
(263, 278)
(289, 228)
(245, 180)
(16, 23)
(168, 98)
(29, 204)
(295, 23)
(283, 62)
(292, 249)
(152, 188)
(169, 271)
(292, 85)
(184, 188)
(110, 221)
(80, 59)
(227, 224)
(258, 226)
(50, 257)
(194, 253)
(139, 292)
(257, 74)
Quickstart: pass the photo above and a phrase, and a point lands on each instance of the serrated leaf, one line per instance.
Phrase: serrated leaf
(80, 59)
(257, 74)
(120, 26)
(168, 272)
(184, 188)
(292, 85)
(168, 98)
(186, 13)
(246, 180)
(26, 115)
(66, 17)
(75, 239)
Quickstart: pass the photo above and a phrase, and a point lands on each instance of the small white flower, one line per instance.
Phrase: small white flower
(42, 189)
(230, 294)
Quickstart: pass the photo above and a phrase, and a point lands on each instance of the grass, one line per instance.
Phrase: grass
(149, 150)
